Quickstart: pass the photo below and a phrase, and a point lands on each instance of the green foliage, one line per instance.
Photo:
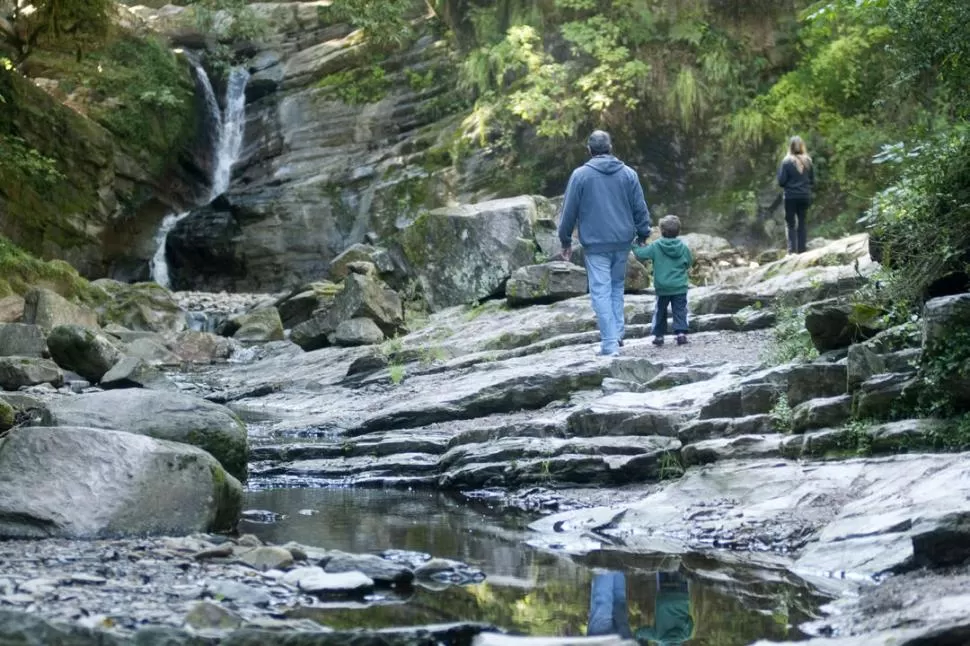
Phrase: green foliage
(945, 374)
(791, 341)
(358, 86)
(670, 465)
(781, 414)
(77, 25)
(16, 156)
(387, 24)
(396, 372)
(922, 222)
(229, 20)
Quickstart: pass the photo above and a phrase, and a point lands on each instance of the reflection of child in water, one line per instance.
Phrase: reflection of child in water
(673, 623)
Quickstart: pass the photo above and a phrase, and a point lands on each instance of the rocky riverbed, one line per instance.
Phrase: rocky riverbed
(715, 449)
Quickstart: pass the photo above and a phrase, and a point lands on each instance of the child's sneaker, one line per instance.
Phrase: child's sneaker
(681, 339)
(658, 340)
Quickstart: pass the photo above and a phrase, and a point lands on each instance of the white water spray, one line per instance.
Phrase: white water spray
(230, 128)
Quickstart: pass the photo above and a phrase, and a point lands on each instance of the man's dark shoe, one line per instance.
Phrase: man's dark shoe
(681, 339)
(621, 343)
(658, 340)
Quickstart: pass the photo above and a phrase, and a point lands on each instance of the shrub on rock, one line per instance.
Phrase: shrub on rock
(131, 485)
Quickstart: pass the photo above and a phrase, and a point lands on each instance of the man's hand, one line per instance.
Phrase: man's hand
(641, 241)
(566, 254)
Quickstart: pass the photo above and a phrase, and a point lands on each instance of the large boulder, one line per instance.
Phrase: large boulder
(22, 340)
(466, 253)
(132, 372)
(259, 326)
(547, 283)
(84, 350)
(300, 306)
(361, 297)
(17, 372)
(49, 309)
(835, 324)
(141, 307)
(84, 483)
(356, 332)
(944, 315)
(162, 415)
(340, 266)
(11, 309)
(201, 347)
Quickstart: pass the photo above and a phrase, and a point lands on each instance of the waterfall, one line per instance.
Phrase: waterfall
(228, 143)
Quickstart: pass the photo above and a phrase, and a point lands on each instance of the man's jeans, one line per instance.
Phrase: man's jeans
(607, 274)
(678, 304)
(608, 606)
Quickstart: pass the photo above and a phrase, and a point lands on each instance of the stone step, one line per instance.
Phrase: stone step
(828, 412)
(749, 447)
(911, 435)
(724, 427)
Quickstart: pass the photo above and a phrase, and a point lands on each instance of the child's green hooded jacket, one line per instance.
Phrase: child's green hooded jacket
(671, 259)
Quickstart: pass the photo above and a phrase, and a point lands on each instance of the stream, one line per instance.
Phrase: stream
(528, 591)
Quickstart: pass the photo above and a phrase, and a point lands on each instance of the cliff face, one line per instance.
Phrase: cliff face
(338, 149)
(87, 174)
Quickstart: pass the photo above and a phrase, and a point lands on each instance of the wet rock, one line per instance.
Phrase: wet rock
(162, 415)
(942, 542)
(260, 326)
(210, 616)
(904, 435)
(378, 569)
(142, 307)
(466, 253)
(84, 350)
(635, 369)
(673, 377)
(201, 347)
(547, 283)
(828, 412)
(267, 558)
(19, 372)
(7, 416)
(239, 592)
(123, 475)
(356, 332)
(49, 310)
(132, 372)
(22, 340)
(362, 297)
(448, 571)
(336, 584)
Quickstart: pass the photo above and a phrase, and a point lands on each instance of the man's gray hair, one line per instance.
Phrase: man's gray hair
(670, 226)
(599, 143)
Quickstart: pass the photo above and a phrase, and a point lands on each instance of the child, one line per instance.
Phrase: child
(671, 259)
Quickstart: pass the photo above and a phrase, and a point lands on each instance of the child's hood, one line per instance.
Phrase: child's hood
(673, 248)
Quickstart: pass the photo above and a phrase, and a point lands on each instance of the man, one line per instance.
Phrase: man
(605, 199)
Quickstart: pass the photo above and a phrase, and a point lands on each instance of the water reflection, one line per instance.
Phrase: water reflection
(694, 599)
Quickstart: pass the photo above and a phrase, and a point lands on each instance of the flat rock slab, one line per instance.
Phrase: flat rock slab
(857, 518)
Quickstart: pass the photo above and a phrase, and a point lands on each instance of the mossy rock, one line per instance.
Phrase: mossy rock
(147, 307)
(8, 416)
(20, 272)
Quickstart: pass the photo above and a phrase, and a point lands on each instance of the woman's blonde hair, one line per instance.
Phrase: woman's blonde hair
(798, 154)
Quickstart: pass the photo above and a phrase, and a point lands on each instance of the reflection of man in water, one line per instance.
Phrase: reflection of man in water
(673, 623)
(607, 605)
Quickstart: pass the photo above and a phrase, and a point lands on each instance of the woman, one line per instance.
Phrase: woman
(797, 177)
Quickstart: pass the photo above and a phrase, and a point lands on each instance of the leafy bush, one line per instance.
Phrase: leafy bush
(791, 341)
